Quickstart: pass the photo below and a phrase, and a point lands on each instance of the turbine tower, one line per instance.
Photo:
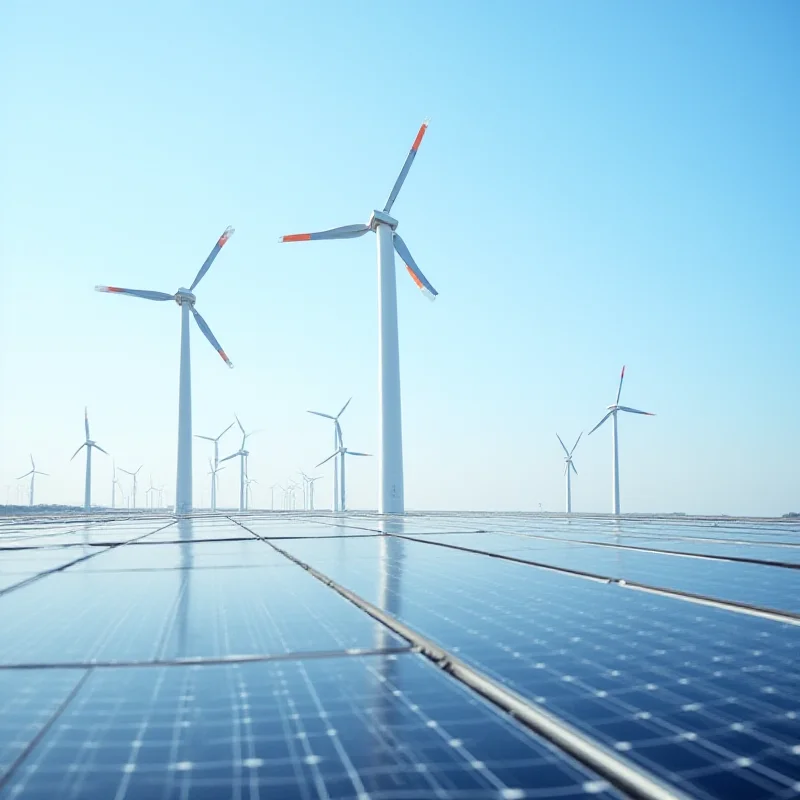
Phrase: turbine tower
(133, 475)
(243, 454)
(612, 412)
(390, 459)
(342, 451)
(215, 467)
(185, 300)
(337, 443)
(33, 473)
(569, 469)
(88, 444)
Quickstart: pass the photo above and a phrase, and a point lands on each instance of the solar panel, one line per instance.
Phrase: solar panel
(205, 662)
(654, 677)
(342, 727)
(756, 584)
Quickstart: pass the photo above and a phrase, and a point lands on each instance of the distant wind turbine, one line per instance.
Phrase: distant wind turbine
(311, 482)
(185, 300)
(337, 443)
(88, 444)
(114, 484)
(33, 473)
(612, 412)
(342, 451)
(242, 454)
(249, 491)
(569, 468)
(390, 461)
(133, 475)
(215, 467)
(213, 470)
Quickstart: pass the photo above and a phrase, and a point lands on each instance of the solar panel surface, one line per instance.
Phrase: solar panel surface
(151, 657)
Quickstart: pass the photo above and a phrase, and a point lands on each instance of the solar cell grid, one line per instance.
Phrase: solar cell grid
(348, 727)
(616, 663)
(704, 698)
(189, 613)
(756, 584)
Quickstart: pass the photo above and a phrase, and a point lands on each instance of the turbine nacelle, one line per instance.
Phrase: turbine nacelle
(183, 295)
(381, 218)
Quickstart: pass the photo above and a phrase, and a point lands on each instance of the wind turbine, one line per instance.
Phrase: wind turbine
(133, 475)
(242, 453)
(249, 491)
(149, 497)
(311, 482)
(272, 494)
(612, 412)
(88, 444)
(337, 442)
(569, 469)
(185, 300)
(390, 460)
(342, 451)
(33, 473)
(215, 467)
(114, 484)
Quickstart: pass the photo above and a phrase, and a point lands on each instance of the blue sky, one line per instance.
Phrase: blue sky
(601, 184)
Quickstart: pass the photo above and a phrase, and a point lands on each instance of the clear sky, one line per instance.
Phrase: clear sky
(602, 183)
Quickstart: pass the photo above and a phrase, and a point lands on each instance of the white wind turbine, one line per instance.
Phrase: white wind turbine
(33, 473)
(213, 470)
(134, 476)
(249, 491)
(215, 467)
(337, 442)
(311, 482)
(242, 454)
(185, 300)
(88, 444)
(569, 468)
(342, 451)
(114, 484)
(390, 460)
(612, 412)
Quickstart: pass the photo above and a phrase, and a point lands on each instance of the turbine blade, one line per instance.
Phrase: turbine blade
(573, 468)
(320, 414)
(327, 459)
(46, 474)
(201, 323)
(26, 474)
(145, 294)
(619, 391)
(354, 453)
(635, 411)
(413, 270)
(78, 450)
(345, 232)
(566, 467)
(343, 408)
(412, 154)
(600, 423)
(86, 421)
(224, 432)
(241, 427)
(207, 438)
(226, 234)
(97, 446)
(228, 458)
(562, 445)
(576, 443)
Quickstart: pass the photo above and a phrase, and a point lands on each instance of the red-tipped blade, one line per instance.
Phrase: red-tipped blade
(398, 184)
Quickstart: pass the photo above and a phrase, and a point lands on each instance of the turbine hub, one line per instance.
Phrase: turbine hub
(183, 295)
(381, 218)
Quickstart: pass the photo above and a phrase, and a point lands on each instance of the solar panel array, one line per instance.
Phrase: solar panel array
(269, 655)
